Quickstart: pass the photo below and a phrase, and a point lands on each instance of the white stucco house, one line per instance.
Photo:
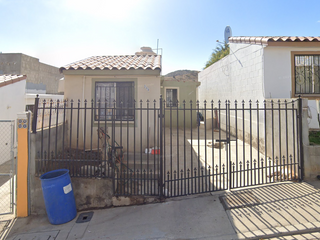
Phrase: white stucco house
(260, 68)
(12, 96)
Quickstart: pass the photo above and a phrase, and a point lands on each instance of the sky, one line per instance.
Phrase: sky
(59, 32)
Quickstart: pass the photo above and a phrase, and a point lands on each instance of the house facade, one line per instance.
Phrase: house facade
(260, 68)
(114, 82)
(179, 94)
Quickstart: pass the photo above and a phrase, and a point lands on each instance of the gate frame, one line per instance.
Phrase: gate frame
(12, 172)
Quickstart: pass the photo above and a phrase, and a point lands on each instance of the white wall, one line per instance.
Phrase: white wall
(278, 79)
(12, 100)
(239, 76)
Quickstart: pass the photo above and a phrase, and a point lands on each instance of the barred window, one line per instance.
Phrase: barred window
(307, 74)
(114, 98)
(172, 97)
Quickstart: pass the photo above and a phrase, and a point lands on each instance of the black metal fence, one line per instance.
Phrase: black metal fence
(172, 150)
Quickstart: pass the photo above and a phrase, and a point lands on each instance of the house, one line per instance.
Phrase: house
(119, 82)
(12, 96)
(260, 68)
(179, 92)
(42, 78)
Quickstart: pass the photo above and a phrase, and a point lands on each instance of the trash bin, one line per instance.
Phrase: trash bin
(58, 196)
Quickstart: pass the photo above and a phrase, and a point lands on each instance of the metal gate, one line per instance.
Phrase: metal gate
(228, 145)
(7, 167)
(171, 149)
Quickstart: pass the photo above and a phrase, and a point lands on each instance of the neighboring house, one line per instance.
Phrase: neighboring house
(12, 96)
(42, 77)
(260, 68)
(179, 93)
(109, 80)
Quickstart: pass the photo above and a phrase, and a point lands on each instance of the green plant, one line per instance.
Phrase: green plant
(314, 138)
(220, 52)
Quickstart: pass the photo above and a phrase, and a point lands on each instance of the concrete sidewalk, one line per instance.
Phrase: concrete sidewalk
(278, 211)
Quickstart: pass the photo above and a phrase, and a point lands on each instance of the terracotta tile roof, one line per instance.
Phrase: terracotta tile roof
(9, 79)
(265, 40)
(126, 62)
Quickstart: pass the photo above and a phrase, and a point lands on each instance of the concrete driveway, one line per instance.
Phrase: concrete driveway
(278, 211)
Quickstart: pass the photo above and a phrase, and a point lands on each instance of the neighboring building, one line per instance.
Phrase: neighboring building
(12, 96)
(114, 79)
(260, 68)
(178, 93)
(42, 77)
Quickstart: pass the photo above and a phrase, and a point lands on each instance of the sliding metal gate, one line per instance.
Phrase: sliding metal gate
(236, 145)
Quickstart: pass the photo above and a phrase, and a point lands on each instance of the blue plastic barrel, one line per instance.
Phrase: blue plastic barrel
(58, 196)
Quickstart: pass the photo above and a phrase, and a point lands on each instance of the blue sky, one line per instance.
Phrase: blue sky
(59, 32)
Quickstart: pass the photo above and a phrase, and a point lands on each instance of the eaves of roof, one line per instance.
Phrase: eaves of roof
(275, 40)
(10, 79)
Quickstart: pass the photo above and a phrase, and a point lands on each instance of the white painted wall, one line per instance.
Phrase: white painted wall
(12, 100)
(277, 76)
(238, 76)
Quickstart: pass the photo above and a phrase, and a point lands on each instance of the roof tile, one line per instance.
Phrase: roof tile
(116, 63)
(263, 40)
(9, 79)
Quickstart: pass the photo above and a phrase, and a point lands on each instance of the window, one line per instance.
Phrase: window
(172, 97)
(114, 98)
(307, 74)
